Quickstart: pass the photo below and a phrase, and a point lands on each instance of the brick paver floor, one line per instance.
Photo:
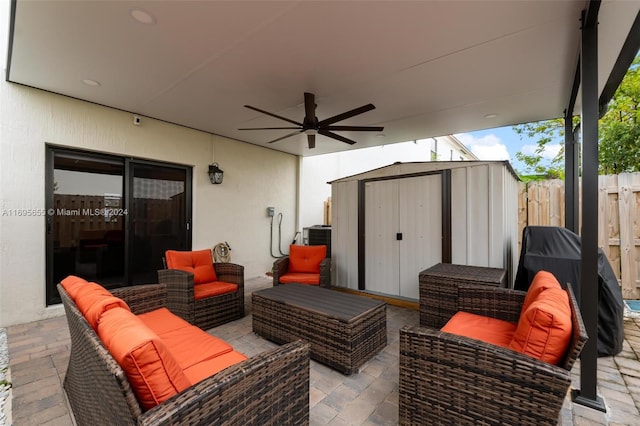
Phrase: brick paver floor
(39, 355)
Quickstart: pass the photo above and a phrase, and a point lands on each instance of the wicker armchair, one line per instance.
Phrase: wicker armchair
(210, 311)
(451, 379)
(281, 268)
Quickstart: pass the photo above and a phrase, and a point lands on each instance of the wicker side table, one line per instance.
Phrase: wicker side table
(439, 289)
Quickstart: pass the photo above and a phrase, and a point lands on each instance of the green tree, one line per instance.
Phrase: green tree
(619, 134)
(546, 132)
(619, 128)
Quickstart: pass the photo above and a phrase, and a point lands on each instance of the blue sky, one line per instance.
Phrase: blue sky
(502, 143)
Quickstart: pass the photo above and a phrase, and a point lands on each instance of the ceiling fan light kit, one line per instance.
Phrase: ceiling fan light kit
(311, 126)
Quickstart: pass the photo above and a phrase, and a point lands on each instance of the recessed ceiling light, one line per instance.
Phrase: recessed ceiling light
(142, 16)
(91, 83)
(492, 115)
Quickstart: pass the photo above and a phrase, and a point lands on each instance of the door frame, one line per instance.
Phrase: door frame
(51, 294)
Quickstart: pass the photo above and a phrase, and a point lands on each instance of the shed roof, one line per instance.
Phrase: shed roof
(418, 167)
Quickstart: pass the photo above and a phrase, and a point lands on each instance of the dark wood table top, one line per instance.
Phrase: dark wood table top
(467, 273)
(330, 303)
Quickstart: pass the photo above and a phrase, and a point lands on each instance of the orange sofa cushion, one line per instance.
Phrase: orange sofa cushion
(212, 366)
(299, 277)
(162, 321)
(545, 328)
(216, 288)
(306, 259)
(102, 305)
(192, 346)
(199, 263)
(541, 281)
(93, 300)
(88, 294)
(153, 373)
(72, 284)
(490, 330)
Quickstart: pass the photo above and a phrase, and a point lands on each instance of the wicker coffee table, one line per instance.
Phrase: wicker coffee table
(344, 330)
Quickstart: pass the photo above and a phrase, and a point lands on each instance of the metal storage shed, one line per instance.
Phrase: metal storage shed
(390, 223)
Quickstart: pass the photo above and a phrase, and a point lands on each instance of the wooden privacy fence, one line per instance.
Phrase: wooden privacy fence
(542, 203)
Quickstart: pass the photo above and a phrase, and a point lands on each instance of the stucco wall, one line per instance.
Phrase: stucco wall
(234, 211)
(320, 169)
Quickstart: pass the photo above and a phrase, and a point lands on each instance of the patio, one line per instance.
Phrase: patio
(39, 354)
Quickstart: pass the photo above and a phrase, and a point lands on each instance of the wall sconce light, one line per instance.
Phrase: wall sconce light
(215, 173)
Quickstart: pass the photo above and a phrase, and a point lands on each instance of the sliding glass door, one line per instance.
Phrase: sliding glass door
(159, 217)
(110, 219)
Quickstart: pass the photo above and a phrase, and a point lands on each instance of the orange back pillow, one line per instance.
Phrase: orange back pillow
(199, 263)
(72, 284)
(152, 371)
(93, 300)
(88, 294)
(545, 328)
(541, 281)
(306, 259)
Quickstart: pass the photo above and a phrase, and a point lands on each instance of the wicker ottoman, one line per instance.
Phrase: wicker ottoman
(344, 330)
(439, 289)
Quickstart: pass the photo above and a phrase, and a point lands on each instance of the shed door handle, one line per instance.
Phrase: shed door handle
(399, 236)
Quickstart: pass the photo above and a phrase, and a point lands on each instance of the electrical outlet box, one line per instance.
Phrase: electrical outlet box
(271, 211)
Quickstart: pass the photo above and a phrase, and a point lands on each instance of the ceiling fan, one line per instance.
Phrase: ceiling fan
(311, 126)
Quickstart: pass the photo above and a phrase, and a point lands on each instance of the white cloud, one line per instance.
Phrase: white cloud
(550, 150)
(489, 147)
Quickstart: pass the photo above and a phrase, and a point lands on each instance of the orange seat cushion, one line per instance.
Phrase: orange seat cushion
(72, 284)
(153, 373)
(212, 366)
(216, 288)
(306, 259)
(162, 321)
(191, 346)
(541, 281)
(544, 330)
(299, 277)
(487, 329)
(199, 263)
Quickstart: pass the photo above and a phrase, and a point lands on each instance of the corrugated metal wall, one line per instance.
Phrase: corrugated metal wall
(344, 234)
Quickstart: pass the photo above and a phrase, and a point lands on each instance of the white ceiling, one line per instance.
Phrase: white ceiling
(431, 68)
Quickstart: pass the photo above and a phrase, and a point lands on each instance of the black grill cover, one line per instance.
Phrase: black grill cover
(557, 250)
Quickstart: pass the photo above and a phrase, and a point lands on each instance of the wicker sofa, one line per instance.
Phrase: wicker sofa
(269, 388)
(447, 378)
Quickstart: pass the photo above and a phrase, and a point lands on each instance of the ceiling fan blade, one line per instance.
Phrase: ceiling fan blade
(312, 141)
(345, 115)
(285, 136)
(310, 109)
(268, 128)
(356, 128)
(273, 115)
(335, 136)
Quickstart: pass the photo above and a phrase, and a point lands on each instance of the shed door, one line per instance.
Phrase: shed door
(420, 217)
(381, 246)
(403, 232)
